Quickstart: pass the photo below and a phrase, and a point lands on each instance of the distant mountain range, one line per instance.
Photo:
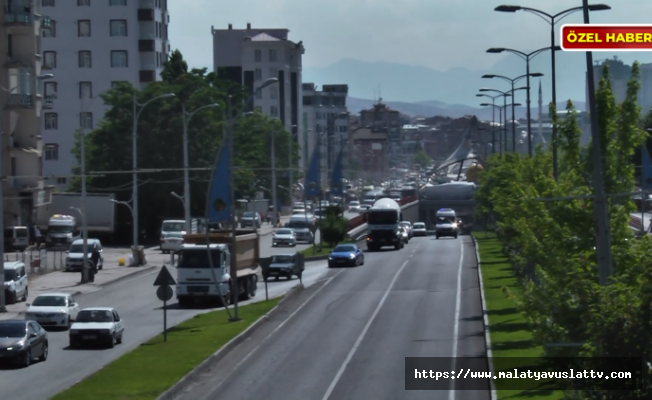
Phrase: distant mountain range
(432, 108)
(458, 86)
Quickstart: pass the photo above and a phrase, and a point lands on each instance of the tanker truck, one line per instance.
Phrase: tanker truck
(198, 282)
(382, 223)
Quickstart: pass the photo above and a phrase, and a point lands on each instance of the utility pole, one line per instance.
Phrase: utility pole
(235, 286)
(603, 245)
(186, 173)
(274, 198)
(134, 165)
(85, 268)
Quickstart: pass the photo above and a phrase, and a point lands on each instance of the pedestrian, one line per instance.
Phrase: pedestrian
(95, 258)
(37, 236)
(278, 218)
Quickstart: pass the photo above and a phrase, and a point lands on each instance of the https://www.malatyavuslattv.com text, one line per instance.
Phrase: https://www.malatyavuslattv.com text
(516, 374)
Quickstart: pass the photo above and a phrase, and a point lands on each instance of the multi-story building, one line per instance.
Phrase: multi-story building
(92, 46)
(620, 74)
(324, 112)
(251, 56)
(22, 101)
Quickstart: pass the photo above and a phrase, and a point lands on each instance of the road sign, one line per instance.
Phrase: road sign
(164, 293)
(164, 278)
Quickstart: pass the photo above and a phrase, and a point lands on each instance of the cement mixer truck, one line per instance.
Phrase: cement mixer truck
(382, 221)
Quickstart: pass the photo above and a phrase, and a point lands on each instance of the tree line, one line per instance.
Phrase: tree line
(552, 243)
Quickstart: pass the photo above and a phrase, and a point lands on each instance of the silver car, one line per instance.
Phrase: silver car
(284, 237)
(171, 242)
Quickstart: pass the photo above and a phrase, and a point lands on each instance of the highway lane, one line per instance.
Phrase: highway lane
(349, 340)
(65, 367)
(266, 249)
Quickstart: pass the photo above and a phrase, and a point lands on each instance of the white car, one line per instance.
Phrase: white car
(75, 257)
(284, 236)
(98, 325)
(419, 229)
(354, 206)
(15, 281)
(171, 242)
(296, 210)
(53, 310)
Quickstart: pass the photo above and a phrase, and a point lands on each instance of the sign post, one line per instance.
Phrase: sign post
(164, 281)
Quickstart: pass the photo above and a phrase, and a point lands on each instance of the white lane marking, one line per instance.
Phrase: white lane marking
(456, 322)
(278, 328)
(340, 372)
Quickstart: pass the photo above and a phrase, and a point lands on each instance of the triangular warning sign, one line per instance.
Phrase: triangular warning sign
(164, 278)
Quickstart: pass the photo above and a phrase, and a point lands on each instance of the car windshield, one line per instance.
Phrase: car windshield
(12, 330)
(174, 235)
(354, 203)
(249, 214)
(79, 248)
(445, 220)
(343, 249)
(284, 232)
(419, 226)
(94, 316)
(198, 259)
(10, 275)
(299, 224)
(282, 259)
(60, 229)
(173, 226)
(49, 301)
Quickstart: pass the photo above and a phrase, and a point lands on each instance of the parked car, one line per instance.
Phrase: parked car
(97, 325)
(250, 218)
(345, 255)
(16, 238)
(15, 282)
(171, 242)
(23, 342)
(419, 229)
(75, 257)
(285, 265)
(53, 309)
(284, 236)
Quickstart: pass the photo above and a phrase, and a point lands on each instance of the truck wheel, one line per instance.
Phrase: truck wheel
(437, 237)
(184, 301)
(397, 247)
(243, 286)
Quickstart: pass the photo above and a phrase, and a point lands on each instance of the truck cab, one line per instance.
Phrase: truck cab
(62, 231)
(196, 279)
(446, 223)
(383, 223)
(302, 225)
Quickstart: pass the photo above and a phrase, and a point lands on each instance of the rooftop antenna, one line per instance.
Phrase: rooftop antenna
(380, 96)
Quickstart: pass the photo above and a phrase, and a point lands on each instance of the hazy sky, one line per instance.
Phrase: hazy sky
(440, 34)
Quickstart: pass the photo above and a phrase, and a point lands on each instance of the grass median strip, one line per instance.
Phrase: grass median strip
(309, 251)
(509, 332)
(149, 370)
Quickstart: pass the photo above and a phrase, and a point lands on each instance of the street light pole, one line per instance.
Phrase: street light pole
(2, 205)
(134, 161)
(274, 198)
(85, 271)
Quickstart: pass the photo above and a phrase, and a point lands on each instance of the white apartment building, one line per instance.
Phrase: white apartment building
(21, 104)
(323, 111)
(251, 56)
(93, 45)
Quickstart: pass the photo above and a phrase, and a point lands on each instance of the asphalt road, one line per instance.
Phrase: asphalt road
(348, 337)
(66, 367)
(266, 249)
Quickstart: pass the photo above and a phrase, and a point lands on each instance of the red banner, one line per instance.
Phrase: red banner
(606, 37)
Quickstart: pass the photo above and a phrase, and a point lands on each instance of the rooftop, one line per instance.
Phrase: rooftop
(264, 37)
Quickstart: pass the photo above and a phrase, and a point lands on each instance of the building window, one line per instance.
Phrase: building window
(50, 59)
(258, 55)
(273, 72)
(50, 32)
(50, 89)
(272, 55)
(47, 3)
(61, 181)
(84, 59)
(273, 111)
(118, 2)
(118, 27)
(85, 90)
(84, 28)
(273, 93)
(51, 152)
(258, 74)
(83, 2)
(86, 120)
(119, 59)
(51, 121)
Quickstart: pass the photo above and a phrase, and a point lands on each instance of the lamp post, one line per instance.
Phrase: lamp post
(512, 81)
(552, 20)
(507, 93)
(2, 215)
(134, 148)
(503, 109)
(186, 173)
(527, 57)
(493, 118)
(290, 148)
(85, 269)
(183, 202)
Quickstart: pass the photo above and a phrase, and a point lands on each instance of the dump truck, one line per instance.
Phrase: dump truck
(383, 219)
(198, 282)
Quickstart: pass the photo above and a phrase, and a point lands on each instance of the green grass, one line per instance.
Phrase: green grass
(324, 251)
(149, 370)
(509, 332)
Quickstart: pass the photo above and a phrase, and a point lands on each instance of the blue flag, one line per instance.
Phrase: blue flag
(336, 178)
(219, 207)
(312, 176)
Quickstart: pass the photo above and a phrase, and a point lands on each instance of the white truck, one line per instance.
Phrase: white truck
(100, 212)
(197, 281)
(62, 230)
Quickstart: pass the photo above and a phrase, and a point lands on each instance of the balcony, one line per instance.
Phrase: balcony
(146, 45)
(145, 14)
(20, 101)
(147, 76)
(48, 102)
(147, 4)
(18, 19)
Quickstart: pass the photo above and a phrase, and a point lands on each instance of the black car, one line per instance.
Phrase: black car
(22, 342)
(286, 265)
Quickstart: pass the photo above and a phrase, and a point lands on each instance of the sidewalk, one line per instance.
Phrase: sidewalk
(70, 282)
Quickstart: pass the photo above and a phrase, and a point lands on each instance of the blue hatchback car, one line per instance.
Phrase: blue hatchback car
(346, 255)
